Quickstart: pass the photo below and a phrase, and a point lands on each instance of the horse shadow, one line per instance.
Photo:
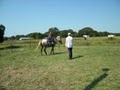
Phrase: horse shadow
(57, 53)
(97, 80)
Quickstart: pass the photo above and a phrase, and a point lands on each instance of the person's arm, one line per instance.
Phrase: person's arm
(66, 45)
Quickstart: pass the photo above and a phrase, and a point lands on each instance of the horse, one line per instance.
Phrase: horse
(44, 44)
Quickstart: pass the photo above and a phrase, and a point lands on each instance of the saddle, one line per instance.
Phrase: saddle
(50, 41)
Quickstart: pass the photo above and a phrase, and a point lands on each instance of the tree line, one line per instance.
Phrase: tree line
(63, 33)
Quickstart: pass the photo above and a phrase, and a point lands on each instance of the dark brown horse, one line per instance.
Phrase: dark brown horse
(44, 44)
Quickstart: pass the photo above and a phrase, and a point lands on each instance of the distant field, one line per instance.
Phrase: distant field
(95, 66)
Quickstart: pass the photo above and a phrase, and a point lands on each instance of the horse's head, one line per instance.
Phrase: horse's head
(59, 39)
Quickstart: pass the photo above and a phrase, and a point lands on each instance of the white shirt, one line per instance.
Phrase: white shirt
(69, 42)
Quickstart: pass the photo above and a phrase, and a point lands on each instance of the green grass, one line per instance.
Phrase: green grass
(22, 68)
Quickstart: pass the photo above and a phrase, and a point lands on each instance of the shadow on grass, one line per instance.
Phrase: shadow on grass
(2, 88)
(10, 47)
(59, 53)
(97, 80)
(77, 57)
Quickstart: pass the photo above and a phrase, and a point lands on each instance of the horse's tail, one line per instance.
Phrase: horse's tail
(39, 44)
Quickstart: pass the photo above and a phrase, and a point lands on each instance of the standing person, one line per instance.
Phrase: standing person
(69, 45)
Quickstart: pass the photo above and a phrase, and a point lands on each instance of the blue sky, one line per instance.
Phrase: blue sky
(27, 16)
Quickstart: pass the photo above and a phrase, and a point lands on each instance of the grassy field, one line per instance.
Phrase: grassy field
(95, 66)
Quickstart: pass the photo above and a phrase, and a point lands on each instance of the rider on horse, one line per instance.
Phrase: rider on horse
(50, 39)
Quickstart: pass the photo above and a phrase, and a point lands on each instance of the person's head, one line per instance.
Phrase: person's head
(50, 34)
(69, 34)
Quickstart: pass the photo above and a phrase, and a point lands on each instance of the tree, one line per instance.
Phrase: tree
(105, 33)
(35, 35)
(54, 30)
(87, 31)
(64, 33)
(2, 30)
(17, 37)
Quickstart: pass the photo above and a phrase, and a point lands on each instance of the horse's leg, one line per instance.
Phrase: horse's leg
(41, 50)
(45, 50)
(52, 50)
